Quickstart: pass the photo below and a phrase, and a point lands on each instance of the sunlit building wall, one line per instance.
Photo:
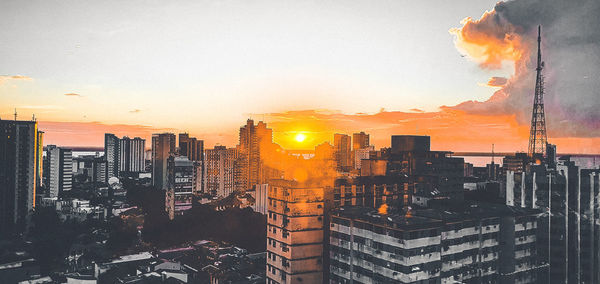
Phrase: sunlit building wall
(295, 234)
(220, 172)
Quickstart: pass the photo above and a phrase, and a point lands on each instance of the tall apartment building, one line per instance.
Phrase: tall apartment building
(570, 226)
(220, 171)
(181, 184)
(466, 243)
(111, 154)
(19, 166)
(254, 142)
(191, 147)
(343, 151)
(295, 234)
(360, 141)
(60, 170)
(131, 155)
(163, 146)
(361, 154)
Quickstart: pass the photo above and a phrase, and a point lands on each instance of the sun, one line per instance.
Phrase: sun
(300, 137)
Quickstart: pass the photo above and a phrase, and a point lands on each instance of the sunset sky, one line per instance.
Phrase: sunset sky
(315, 67)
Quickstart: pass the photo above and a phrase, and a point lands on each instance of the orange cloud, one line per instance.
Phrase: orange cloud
(490, 41)
(73, 95)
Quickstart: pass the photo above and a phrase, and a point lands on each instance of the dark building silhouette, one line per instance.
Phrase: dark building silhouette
(19, 173)
(434, 174)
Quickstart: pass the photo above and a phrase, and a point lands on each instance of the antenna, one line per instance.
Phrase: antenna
(15, 114)
(537, 133)
(492, 153)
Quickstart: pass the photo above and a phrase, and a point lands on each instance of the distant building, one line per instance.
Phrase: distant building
(191, 147)
(468, 243)
(93, 167)
(360, 141)
(131, 155)
(255, 143)
(181, 182)
(220, 171)
(361, 154)
(295, 234)
(343, 154)
(19, 166)
(111, 154)
(516, 163)
(60, 170)
(438, 174)
(163, 145)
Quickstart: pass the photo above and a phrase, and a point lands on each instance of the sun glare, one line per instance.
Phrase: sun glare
(300, 137)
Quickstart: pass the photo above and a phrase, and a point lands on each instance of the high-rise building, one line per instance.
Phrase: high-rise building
(131, 155)
(19, 164)
(40, 157)
(255, 141)
(343, 152)
(360, 141)
(191, 147)
(220, 171)
(462, 243)
(163, 146)
(181, 183)
(295, 234)
(569, 227)
(111, 154)
(60, 170)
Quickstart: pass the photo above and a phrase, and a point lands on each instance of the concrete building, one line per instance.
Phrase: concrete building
(19, 164)
(295, 234)
(163, 146)
(450, 244)
(93, 167)
(220, 171)
(111, 154)
(569, 228)
(60, 170)
(191, 147)
(181, 182)
(437, 173)
(131, 155)
(360, 141)
(261, 198)
(343, 153)
(361, 154)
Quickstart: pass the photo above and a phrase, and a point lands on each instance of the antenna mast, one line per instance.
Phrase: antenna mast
(537, 134)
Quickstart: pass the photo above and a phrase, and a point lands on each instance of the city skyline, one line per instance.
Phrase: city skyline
(339, 70)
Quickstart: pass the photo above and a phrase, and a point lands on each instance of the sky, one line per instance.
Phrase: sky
(318, 67)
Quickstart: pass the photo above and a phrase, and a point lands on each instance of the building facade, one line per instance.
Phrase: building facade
(60, 170)
(181, 184)
(343, 151)
(295, 234)
(163, 146)
(469, 244)
(131, 155)
(111, 154)
(220, 171)
(19, 164)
